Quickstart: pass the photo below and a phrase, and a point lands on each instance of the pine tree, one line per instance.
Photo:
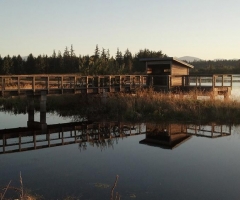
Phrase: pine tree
(7, 65)
(128, 63)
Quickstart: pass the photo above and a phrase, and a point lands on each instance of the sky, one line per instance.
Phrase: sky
(207, 29)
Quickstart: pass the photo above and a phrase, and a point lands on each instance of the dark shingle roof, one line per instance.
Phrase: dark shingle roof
(166, 59)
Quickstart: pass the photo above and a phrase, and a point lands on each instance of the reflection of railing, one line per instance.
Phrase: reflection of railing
(210, 131)
(24, 139)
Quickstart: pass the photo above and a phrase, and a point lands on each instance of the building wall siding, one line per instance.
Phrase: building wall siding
(178, 69)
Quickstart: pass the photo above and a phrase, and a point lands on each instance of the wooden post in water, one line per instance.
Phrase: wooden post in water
(31, 123)
(43, 101)
(30, 100)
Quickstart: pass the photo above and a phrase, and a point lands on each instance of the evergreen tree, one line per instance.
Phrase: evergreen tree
(7, 65)
(96, 53)
(17, 65)
(128, 63)
(119, 61)
(30, 64)
(1, 65)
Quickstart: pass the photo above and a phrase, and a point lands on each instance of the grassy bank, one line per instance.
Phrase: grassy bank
(144, 106)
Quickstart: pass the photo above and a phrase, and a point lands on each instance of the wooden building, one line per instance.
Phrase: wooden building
(166, 73)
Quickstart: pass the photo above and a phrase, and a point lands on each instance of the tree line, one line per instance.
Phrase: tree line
(100, 63)
(216, 67)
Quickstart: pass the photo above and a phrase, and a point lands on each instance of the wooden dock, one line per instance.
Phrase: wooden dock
(16, 85)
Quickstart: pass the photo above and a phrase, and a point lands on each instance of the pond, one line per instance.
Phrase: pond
(171, 161)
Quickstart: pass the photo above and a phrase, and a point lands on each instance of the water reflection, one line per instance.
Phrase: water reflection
(171, 136)
(104, 135)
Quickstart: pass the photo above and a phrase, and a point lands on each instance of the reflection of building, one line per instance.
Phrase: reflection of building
(172, 135)
(166, 136)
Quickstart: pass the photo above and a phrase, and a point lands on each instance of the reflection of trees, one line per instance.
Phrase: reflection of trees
(105, 135)
(82, 146)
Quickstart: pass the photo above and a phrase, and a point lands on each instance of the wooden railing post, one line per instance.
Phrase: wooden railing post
(33, 84)
(2, 87)
(18, 84)
(62, 84)
(75, 84)
(48, 84)
(213, 81)
(222, 80)
(87, 84)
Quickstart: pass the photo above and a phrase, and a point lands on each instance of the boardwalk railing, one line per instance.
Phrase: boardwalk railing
(13, 85)
(61, 84)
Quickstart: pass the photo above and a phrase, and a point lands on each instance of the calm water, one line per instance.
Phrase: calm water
(196, 168)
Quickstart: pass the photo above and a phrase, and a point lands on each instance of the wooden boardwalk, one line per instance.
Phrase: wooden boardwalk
(15, 85)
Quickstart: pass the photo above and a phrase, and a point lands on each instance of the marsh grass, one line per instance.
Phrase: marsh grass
(152, 106)
(143, 106)
(20, 193)
(17, 193)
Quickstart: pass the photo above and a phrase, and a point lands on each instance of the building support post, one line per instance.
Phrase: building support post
(30, 100)
(43, 110)
(31, 123)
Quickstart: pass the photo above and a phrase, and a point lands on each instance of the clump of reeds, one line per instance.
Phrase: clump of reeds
(17, 105)
(20, 192)
(23, 195)
(151, 106)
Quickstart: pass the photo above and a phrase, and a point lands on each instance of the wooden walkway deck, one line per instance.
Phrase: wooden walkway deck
(15, 85)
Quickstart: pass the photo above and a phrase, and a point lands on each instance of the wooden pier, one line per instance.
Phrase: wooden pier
(17, 85)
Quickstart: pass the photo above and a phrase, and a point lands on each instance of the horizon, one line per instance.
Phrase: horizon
(206, 30)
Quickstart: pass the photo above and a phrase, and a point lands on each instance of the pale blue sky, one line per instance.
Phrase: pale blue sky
(208, 29)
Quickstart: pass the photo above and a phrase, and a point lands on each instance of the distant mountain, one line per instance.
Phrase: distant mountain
(189, 58)
(24, 57)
